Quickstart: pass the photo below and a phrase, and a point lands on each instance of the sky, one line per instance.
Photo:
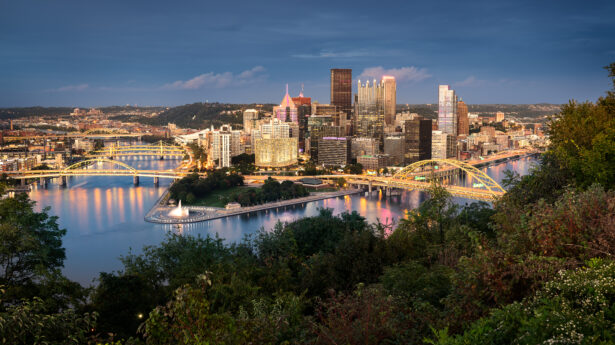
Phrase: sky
(162, 52)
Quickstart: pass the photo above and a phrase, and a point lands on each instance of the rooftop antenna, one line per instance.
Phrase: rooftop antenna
(301, 93)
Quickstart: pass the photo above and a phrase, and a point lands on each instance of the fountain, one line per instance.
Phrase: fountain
(179, 211)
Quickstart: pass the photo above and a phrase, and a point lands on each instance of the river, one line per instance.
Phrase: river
(104, 215)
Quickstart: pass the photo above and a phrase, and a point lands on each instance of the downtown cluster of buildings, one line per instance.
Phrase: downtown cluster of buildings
(364, 128)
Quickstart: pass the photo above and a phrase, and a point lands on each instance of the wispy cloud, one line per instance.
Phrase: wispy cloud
(219, 80)
(327, 54)
(402, 74)
(469, 81)
(66, 88)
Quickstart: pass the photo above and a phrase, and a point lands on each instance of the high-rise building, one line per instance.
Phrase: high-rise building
(373, 162)
(341, 89)
(438, 144)
(390, 99)
(304, 109)
(286, 111)
(333, 151)
(499, 116)
(225, 144)
(363, 146)
(463, 124)
(394, 147)
(369, 110)
(320, 126)
(250, 117)
(275, 152)
(418, 141)
(447, 110)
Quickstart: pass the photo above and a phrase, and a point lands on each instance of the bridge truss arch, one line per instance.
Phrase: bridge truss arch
(85, 163)
(410, 172)
(105, 131)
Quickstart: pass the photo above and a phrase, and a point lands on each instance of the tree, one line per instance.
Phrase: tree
(31, 242)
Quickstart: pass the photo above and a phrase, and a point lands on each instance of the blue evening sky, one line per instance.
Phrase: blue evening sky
(107, 52)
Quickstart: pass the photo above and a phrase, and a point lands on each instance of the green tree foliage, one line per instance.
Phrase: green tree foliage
(31, 322)
(123, 302)
(201, 187)
(31, 245)
(271, 191)
(356, 169)
(575, 308)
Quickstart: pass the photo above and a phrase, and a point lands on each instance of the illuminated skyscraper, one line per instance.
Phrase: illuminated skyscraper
(390, 99)
(369, 110)
(447, 110)
(463, 125)
(286, 111)
(250, 116)
(341, 89)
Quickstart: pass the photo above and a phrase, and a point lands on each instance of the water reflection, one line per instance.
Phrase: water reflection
(104, 215)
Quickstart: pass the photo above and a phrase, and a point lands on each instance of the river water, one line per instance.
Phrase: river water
(104, 215)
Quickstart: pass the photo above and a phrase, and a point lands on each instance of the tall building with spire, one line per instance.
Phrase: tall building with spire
(369, 110)
(286, 111)
(447, 110)
(341, 89)
(390, 98)
(463, 124)
(304, 109)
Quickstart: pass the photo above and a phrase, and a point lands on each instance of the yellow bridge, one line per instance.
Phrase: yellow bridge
(158, 149)
(416, 176)
(103, 133)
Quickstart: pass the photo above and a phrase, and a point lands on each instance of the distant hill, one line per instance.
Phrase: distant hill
(14, 113)
(517, 110)
(202, 115)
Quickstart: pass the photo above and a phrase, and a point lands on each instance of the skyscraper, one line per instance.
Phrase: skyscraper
(447, 110)
(341, 89)
(250, 116)
(463, 125)
(286, 111)
(417, 140)
(369, 110)
(390, 99)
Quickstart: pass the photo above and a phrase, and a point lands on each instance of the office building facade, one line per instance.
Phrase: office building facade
(341, 89)
(394, 147)
(369, 110)
(463, 123)
(447, 110)
(418, 141)
(390, 99)
(333, 151)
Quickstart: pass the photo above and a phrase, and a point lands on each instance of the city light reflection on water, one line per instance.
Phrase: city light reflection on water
(104, 215)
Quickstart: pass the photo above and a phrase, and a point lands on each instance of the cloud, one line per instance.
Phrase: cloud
(79, 87)
(402, 74)
(218, 80)
(469, 81)
(327, 54)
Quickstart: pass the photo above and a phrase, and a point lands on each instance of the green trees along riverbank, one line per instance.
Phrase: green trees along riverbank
(536, 268)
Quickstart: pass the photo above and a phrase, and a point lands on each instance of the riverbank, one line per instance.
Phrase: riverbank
(159, 212)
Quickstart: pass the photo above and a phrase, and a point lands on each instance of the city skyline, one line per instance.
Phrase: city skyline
(112, 53)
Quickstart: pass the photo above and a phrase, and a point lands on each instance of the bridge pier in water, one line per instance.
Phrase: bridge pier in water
(135, 180)
(43, 182)
(156, 181)
(63, 181)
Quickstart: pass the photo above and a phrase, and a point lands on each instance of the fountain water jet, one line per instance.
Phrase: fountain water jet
(179, 211)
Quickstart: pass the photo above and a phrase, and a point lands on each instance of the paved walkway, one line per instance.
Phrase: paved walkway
(159, 213)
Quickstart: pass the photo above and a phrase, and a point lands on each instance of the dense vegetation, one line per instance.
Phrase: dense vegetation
(536, 268)
(270, 191)
(200, 115)
(191, 188)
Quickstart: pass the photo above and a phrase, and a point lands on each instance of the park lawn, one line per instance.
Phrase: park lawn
(214, 199)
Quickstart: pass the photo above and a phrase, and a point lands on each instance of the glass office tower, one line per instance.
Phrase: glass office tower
(447, 110)
(341, 89)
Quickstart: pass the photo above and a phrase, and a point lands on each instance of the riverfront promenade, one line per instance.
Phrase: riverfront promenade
(159, 212)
